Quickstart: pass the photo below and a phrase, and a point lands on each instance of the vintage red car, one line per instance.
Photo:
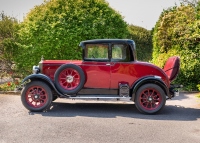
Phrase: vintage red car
(109, 70)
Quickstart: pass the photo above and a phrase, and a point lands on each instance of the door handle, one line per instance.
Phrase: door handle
(108, 64)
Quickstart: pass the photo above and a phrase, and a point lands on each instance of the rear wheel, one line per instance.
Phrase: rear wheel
(150, 99)
(36, 96)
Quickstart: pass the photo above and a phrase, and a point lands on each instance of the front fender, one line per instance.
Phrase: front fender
(38, 76)
(151, 79)
(44, 78)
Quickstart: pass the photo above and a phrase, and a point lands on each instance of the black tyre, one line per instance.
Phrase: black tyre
(36, 96)
(69, 79)
(150, 99)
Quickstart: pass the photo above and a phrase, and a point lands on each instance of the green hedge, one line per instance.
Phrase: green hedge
(143, 40)
(177, 32)
(55, 28)
(8, 30)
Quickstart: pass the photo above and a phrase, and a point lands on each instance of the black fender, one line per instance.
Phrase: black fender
(151, 79)
(44, 78)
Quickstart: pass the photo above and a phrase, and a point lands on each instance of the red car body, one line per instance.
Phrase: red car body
(108, 74)
(109, 69)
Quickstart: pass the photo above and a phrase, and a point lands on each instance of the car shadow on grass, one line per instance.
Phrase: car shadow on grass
(113, 110)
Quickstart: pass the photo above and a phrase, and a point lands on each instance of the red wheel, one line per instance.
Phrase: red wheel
(69, 79)
(36, 96)
(150, 99)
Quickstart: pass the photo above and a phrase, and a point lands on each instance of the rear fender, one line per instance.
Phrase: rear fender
(152, 79)
(43, 78)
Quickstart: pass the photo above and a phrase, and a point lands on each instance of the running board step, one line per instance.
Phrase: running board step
(98, 97)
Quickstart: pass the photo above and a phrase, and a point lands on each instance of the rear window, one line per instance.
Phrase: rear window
(119, 52)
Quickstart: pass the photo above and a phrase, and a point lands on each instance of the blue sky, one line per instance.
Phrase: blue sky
(144, 13)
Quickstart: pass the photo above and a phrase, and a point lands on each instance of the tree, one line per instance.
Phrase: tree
(143, 40)
(191, 2)
(177, 32)
(8, 28)
(55, 28)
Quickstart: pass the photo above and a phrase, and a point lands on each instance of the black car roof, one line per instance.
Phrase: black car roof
(106, 41)
(130, 42)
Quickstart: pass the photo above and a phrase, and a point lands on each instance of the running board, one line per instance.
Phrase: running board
(117, 97)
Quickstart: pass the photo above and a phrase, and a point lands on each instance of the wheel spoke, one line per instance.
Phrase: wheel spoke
(63, 78)
(147, 103)
(70, 85)
(73, 72)
(42, 97)
(76, 81)
(68, 72)
(154, 103)
(32, 91)
(151, 93)
(67, 84)
(39, 91)
(144, 97)
(144, 93)
(62, 73)
(64, 82)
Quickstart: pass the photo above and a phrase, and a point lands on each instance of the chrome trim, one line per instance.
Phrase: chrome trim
(158, 77)
(36, 69)
(70, 79)
(41, 66)
(108, 98)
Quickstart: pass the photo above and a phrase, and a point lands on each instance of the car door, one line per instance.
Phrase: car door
(122, 67)
(96, 64)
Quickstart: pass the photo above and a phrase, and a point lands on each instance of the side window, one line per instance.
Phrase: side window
(96, 52)
(119, 52)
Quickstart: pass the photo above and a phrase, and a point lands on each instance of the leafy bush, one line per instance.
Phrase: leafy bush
(8, 28)
(55, 28)
(177, 32)
(9, 86)
(198, 86)
(143, 40)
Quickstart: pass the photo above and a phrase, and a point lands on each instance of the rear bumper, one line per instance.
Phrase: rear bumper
(174, 90)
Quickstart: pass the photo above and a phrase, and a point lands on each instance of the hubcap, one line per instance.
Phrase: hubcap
(150, 99)
(36, 96)
(70, 79)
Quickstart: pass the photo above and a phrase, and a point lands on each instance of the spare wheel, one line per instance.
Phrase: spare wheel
(69, 79)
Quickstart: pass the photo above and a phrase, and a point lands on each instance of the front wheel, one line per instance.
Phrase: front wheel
(36, 96)
(150, 99)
